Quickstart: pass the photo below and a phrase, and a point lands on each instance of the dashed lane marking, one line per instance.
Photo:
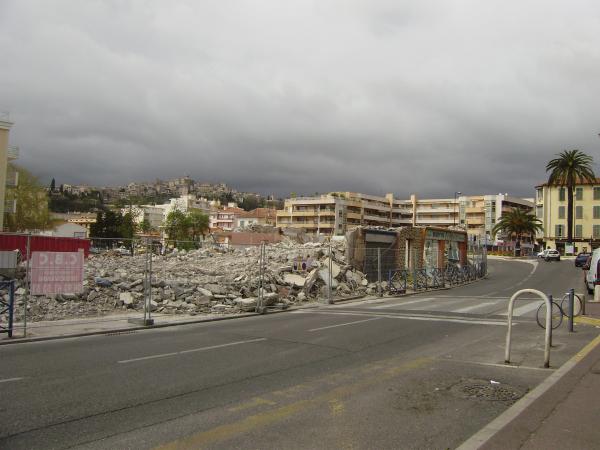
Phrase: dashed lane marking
(183, 352)
(8, 380)
(344, 324)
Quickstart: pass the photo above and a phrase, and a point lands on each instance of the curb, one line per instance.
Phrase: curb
(148, 327)
(486, 433)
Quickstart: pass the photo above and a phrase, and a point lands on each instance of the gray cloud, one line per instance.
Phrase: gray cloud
(373, 96)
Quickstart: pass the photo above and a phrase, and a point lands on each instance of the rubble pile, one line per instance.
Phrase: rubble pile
(205, 281)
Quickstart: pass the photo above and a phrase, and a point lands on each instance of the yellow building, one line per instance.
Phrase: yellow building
(551, 208)
(7, 177)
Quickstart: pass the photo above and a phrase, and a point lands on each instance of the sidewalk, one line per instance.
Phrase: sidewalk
(561, 413)
(114, 323)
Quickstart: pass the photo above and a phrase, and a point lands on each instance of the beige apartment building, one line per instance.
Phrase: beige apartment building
(551, 209)
(7, 177)
(338, 212)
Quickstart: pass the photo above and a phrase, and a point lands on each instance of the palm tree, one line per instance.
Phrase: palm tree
(517, 223)
(571, 167)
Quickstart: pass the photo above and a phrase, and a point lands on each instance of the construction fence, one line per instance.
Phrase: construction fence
(149, 279)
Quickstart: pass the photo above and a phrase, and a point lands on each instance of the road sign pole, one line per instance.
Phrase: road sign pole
(27, 284)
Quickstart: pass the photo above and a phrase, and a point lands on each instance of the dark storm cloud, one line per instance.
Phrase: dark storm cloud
(372, 96)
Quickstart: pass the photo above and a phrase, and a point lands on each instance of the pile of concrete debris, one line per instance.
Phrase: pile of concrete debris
(206, 281)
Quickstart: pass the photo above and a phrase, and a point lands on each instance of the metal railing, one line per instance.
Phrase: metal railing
(399, 281)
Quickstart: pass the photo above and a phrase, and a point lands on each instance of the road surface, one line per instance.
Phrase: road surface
(423, 371)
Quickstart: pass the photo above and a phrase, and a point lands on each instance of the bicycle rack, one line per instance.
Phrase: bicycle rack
(8, 306)
(548, 323)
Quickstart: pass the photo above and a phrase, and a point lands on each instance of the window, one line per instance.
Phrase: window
(561, 194)
(596, 212)
(597, 193)
(579, 193)
(561, 212)
(559, 229)
(596, 231)
(540, 195)
(539, 212)
(578, 231)
(579, 212)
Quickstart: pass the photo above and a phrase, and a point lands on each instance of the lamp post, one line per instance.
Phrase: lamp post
(456, 194)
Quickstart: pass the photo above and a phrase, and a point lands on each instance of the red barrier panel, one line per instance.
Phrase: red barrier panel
(43, 244)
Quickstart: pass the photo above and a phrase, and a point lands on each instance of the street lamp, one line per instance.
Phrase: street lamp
(456, 194)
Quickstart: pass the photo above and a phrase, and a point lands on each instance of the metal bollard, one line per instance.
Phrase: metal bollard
(571, 307)
(379, 289)
(548, 334)
(551, 302)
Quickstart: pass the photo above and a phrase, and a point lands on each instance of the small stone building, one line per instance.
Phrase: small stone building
(405, 248)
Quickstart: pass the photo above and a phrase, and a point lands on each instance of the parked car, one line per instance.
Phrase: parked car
(581, 259)
(591, 276)
(552, 255)
(542, 254)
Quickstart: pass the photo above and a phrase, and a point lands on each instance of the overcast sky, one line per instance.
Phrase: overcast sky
(274, 96)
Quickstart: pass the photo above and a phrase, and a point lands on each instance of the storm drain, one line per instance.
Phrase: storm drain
(488, 390)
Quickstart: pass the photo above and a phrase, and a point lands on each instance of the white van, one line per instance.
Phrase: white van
(592, 276)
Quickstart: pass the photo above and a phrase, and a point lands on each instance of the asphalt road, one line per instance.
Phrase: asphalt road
(413, 372)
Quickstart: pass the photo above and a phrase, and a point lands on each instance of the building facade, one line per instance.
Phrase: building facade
(258, 216)
(336, 213)
(478, 215)
(551, 208)
(8, 177)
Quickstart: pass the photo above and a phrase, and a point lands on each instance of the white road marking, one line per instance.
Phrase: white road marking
(470, 308)
(344, 324)
(421, 300)
(6, 380)
(521, 310)
(415, 317)
(200, 349)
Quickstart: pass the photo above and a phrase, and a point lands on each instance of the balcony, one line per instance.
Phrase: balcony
(369, 217)
(12, 178)
(10, 206)
(305, 213)
(12, 152)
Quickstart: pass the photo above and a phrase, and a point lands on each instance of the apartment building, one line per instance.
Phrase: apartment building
(225, 218)
(478, 214)
(337, 213)
(8, 177)
(551, 209)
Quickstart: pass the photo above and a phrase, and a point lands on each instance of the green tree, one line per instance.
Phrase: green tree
(185, 229)
(516, 223)
(145, 226)
(127, 228)
(31, 204)
(571, 167)
(177, 225)
(198, 224)
(52, 185)
(249, 203)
